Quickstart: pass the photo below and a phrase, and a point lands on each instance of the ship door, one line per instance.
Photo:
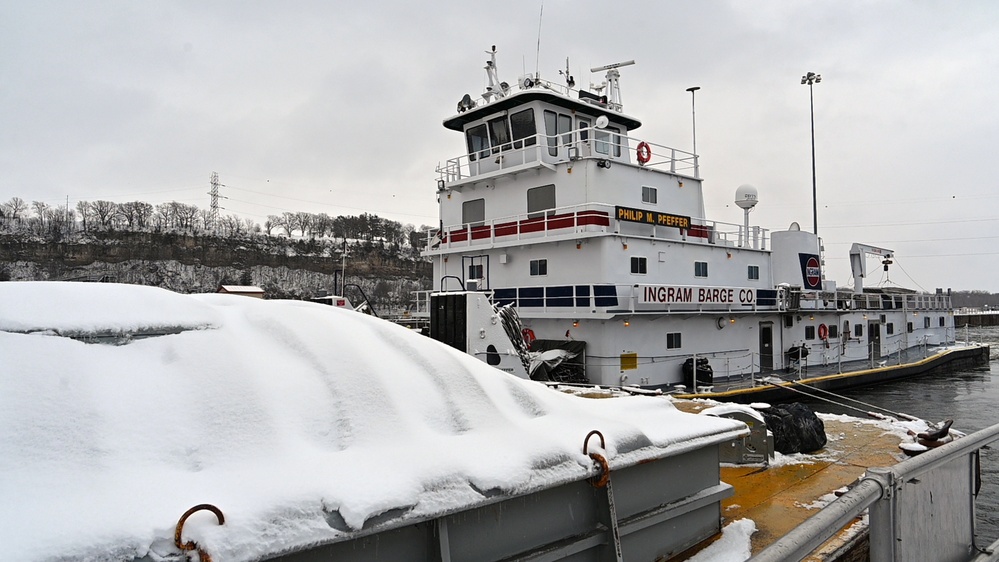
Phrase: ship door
(874, 340)
(766, 346)
(476, 269)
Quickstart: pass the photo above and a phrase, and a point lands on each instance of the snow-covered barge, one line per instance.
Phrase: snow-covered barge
(318, 433)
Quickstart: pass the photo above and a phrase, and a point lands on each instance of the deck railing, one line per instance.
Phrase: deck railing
(560, 222)
(920, 509)
(578, 144)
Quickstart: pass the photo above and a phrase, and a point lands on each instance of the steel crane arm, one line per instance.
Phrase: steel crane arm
(858, 263)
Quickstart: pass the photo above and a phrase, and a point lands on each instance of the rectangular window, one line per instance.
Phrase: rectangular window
(617, 141)
(557, 125)
(650, 195)
(539, 267)
(473, 213)
(858, 330)
(809, 332)
(889, 328)
(754, 272)
(475, 271)
(604, 141)
(926, 321)
(584, 131)
(499, 131)
(478, 142)
(833, 331)
(540, 199)
(700, 269)
(639, 265)
(673, 340)
(942, 322)
(565, 129)
(551, 130)
(908, 327)
(523, 128)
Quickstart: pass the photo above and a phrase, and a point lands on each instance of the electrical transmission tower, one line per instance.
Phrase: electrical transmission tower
(214, 216)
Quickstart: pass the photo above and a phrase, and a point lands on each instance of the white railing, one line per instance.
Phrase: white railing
(578, 144)
(574, 219)
(920, 509)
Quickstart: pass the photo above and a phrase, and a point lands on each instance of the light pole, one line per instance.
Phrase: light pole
(810, 79)
(693, 119)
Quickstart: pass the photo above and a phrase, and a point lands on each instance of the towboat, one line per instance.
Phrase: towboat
(571, 249)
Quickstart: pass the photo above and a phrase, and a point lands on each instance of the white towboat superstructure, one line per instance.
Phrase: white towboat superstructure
(598, 239)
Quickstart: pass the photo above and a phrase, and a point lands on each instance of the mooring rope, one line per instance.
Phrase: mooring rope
(870, 407)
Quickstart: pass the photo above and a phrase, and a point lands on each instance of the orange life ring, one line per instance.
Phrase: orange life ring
(528, 335)
(823, 332)
(643, 153)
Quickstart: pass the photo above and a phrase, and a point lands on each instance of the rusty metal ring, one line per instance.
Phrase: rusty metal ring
(591, 434)
(191, 545)
(601, 462)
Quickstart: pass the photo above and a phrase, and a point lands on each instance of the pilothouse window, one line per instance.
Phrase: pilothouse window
(523, 128)
(557, 125)
(500, 133)
(478, 142)
(604, 141)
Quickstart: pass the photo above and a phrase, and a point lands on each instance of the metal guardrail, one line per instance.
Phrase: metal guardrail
(920, 509)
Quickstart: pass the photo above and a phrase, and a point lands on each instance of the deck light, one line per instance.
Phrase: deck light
(575, 323)
(627, 323)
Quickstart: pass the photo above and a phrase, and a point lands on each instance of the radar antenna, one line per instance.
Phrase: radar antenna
(613, 87)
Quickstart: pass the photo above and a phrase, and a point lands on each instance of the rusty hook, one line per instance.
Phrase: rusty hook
(191, 545)
(599, 461)
(586, 441)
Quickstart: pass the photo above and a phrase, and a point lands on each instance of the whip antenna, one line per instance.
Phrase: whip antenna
(537, 60)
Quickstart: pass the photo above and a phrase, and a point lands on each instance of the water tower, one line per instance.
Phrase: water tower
(746, 197)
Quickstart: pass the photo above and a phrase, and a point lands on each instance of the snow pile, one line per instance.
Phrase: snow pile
(301, 422)
(733, 546)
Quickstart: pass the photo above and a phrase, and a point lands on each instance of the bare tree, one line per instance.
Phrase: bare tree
(104, 212)
(127, 212)
(15, 208)
(163, 217)
(288, 222)
(40, 208)
(83, 209)
(205, 216)
(272, 222)
(186, 215)
(143, 213)
(231, 225)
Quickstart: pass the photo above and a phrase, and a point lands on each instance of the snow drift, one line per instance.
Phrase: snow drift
(302, 422)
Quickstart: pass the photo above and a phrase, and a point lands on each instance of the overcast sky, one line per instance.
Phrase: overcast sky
(337, 106)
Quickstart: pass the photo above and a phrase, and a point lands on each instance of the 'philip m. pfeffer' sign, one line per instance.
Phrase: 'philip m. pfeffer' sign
(652, 217)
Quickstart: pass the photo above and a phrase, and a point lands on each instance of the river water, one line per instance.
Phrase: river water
(970, 398)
